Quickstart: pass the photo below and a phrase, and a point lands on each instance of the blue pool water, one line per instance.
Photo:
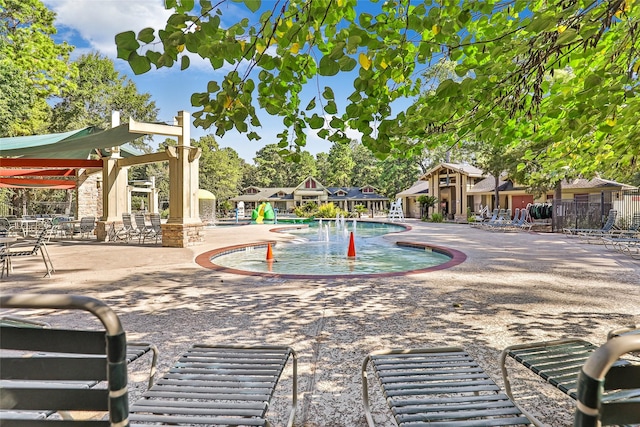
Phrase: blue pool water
(322, 249)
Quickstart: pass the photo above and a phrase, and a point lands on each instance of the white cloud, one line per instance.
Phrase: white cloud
(98, 21)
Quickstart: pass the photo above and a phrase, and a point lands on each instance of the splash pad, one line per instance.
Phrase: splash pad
(320, 250)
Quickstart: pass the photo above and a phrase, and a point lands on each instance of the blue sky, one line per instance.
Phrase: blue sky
(91, 26)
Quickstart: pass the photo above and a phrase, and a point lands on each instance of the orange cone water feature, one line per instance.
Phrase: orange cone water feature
(269, 253)
(351, 253)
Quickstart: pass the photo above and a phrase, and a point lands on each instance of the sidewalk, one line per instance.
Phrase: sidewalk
(513, 288)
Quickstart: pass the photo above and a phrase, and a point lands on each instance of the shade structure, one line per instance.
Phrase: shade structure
(47, 161)
(77, 144)
(205, 195)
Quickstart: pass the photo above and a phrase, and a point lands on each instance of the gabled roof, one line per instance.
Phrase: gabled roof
(463, 168)
(597, 182)
(488, 185)
(419, 187)
(319, 185)
(264, 194)
(354, 193)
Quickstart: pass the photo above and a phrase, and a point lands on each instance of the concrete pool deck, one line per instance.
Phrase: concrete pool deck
(512, 288)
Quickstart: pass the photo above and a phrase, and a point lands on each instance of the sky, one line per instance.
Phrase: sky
(91, 26)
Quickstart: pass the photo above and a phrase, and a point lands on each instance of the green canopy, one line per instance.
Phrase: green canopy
(78, 144)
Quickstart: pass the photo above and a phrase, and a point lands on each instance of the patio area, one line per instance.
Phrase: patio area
(512, 288)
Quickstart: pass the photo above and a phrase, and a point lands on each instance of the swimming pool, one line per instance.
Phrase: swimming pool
(320, 250)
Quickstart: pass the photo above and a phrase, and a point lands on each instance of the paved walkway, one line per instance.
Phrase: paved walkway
(513, 288)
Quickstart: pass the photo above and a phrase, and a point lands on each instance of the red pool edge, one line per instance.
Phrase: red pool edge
(204, 260)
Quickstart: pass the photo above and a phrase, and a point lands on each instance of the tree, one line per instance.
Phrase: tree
(17, 99)
(367, 167)
(97, 90)
(504, 55)
(30, 54)
(272, 170)
(220, 168)
(398, 173)
(341, 165)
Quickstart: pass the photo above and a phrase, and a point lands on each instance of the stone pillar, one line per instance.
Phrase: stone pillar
(88, 196)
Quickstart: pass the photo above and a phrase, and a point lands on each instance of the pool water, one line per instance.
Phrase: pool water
(322, 250)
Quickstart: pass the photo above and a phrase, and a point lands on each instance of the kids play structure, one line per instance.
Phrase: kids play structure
(63, 161)
(263, 212)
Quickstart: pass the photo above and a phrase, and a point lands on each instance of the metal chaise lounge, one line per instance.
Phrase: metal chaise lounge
(64, 370)
(609, 225)
(219, 385)
(559, 362)
(438, 387)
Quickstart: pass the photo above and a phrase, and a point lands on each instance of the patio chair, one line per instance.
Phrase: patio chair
(87, 226)
(559, 362)
(27, 248)
(438, 386)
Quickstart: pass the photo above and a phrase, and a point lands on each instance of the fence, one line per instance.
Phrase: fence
(591, 211)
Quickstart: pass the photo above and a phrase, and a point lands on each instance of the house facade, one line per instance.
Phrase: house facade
(286, 199)
(462, 187)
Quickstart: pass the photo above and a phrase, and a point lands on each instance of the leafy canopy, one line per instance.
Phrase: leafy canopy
(505, 55)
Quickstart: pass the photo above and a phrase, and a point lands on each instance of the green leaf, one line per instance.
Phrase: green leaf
(331, 108)
(447, 89)
(139, 64)
(347, 63)
(328, 93)
(567, 36)
(146, 35)
(316, 122)
(187, 4)
(592, 81)
(126, 43)
(328, 67)
(184, 62)
(311, 105)
(253, 5)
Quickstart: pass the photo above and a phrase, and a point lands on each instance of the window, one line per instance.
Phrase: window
(310, 184)
(251, 191)
(367, 190)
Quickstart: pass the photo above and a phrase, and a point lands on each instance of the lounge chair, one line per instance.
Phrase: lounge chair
(610, 224)
(559, 362)
(27, 248)
(57, 377)
(632, 233)
(141, 227)
(128, 231)
(208, 385)
(155, 230)
(220, 385)
(438, 387)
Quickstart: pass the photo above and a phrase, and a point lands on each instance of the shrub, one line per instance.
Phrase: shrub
(307, 210)
(437, 217)
(329, 210)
